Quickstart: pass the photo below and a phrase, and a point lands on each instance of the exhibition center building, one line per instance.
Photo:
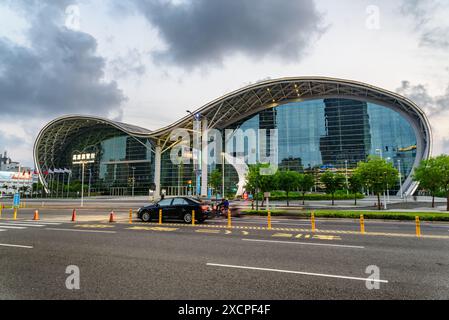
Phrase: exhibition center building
(305, 124)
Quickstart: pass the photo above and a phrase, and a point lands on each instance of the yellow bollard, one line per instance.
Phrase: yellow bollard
(160, 216)
(193, 217)
(229, 219)
(418, 227)
(312, 218)
(130, 215)
(15, 214)
(1, 210)
(269, 220)
(362, 224)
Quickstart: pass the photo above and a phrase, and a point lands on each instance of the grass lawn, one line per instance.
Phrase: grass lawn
(424, 216)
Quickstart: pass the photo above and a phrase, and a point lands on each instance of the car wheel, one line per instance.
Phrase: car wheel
(188, 218)
(146, 216)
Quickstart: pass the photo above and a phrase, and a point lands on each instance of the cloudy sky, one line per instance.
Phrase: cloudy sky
(147, 61)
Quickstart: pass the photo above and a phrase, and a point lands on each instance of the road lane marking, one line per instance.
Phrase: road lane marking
(307, 243)
(245, 233)
(323, 237)
(2, 230)
(43, 222)
(77, 230)
(297, 272)
(15, 246)
(352, 232)
(19, 224)
(207, 231)
(228, 232)
(94, 226)
(282, 235)
(12, 227)
(152, 228)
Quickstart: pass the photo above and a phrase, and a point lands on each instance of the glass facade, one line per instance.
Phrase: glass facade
(123, 164)
(333, 133)
(312, 136)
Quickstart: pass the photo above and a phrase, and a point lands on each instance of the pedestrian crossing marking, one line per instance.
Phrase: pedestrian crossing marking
(228, 232)
(298, 236)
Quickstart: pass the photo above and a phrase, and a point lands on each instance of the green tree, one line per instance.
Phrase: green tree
(215, 180)
(305, 183)
(287, 181)
(377, 174)
(332, 182)
(355, 185)
(442, 163)
(428, 176)
(258, 182)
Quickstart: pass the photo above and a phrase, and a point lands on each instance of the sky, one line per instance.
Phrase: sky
(146, 62)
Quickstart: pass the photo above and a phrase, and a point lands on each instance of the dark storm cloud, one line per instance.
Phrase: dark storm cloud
(199, 32)
(58, 73)
(423, 12)
(433, 106)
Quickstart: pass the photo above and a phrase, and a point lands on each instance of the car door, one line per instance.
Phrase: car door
(180, 206)
(167, 209)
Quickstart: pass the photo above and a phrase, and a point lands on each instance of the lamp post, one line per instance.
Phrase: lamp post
(83, 159)
(346, 176)
(400, 178)
(222, 174)
(133, 169)
(90, 176)
(197, 163)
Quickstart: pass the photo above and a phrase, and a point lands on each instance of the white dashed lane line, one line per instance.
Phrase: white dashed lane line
(15, 246)
(297, 272)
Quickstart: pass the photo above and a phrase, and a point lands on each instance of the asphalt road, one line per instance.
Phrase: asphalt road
(176, 261)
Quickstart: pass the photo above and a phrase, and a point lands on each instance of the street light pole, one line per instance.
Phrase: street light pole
(133, 168)
(82, 184)
(400, 179)
(222, 174)
(90, 176)
(83, 159)
(346, 176)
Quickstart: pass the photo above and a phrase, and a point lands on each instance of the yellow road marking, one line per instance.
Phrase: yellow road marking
(323, 237)
(283, 235)
(95, 226)
(207, 231)
(152, 228)
(386, 234)
(307, 236)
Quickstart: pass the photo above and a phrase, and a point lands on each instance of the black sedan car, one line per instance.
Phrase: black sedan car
(176, 208)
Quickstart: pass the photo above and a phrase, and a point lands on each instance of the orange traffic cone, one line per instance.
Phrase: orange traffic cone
(36, 215)
(111, 217)
(74, 215)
